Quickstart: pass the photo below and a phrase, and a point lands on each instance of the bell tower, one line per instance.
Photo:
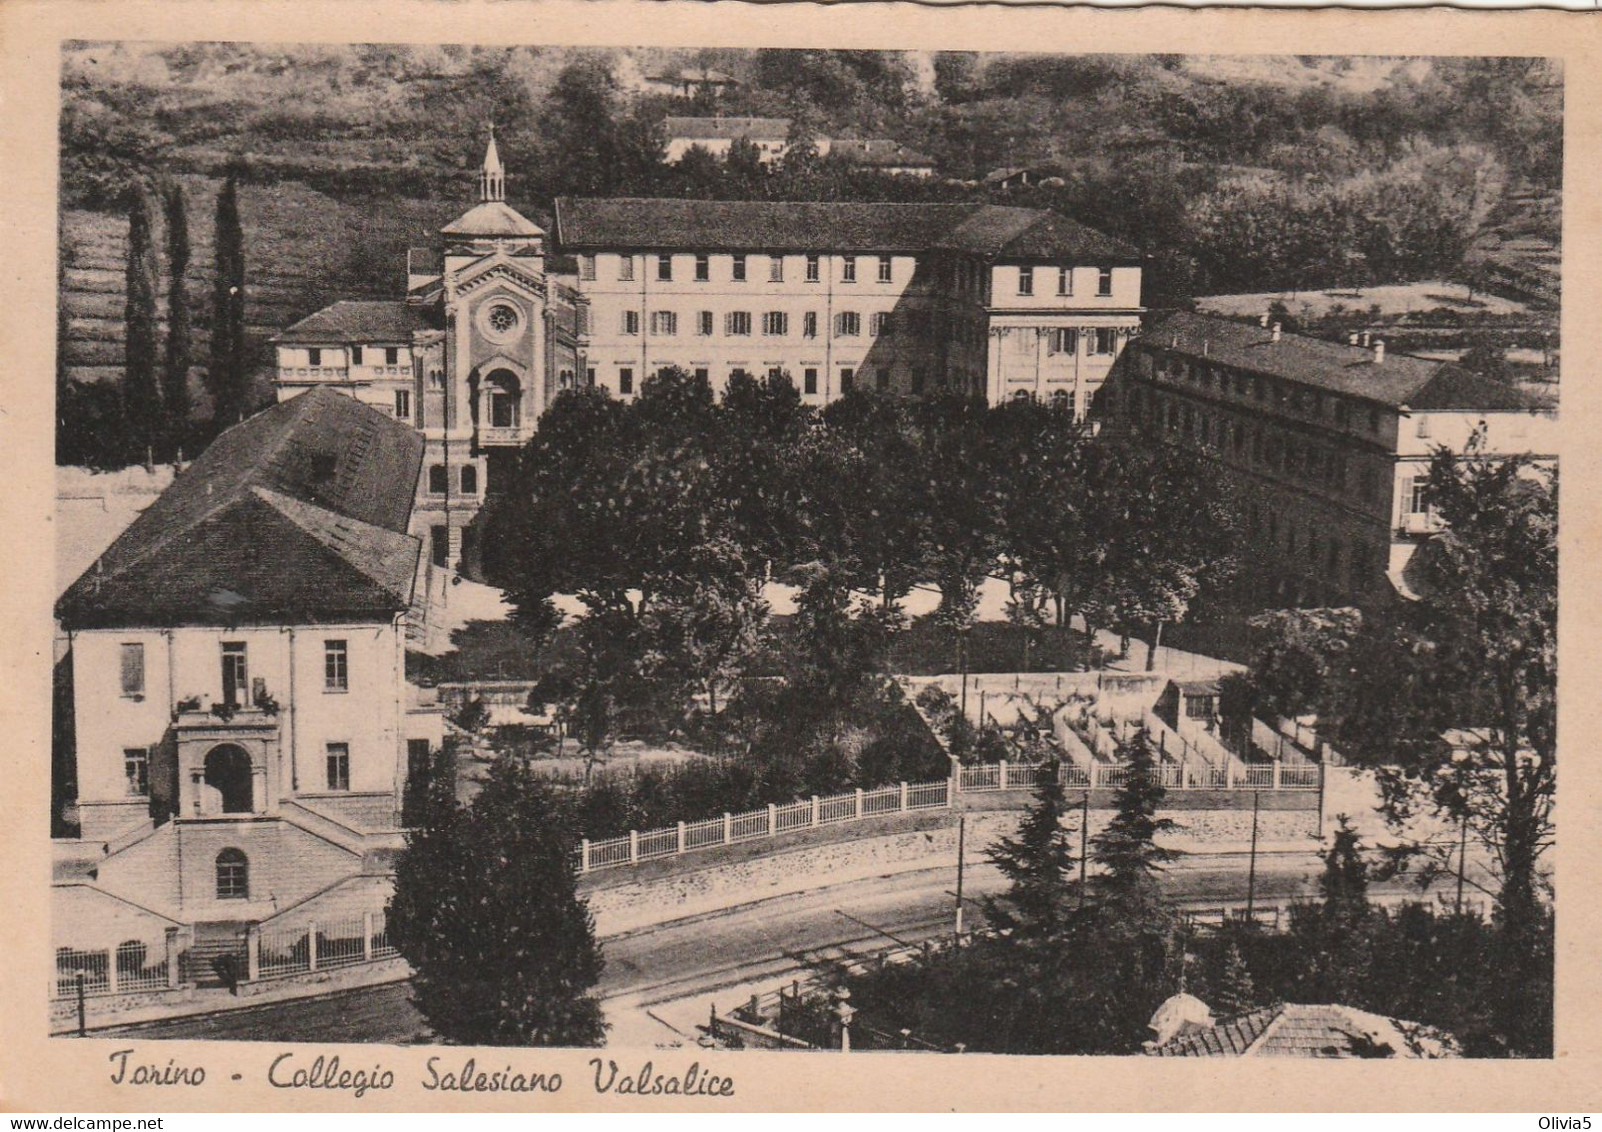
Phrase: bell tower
(492, 175)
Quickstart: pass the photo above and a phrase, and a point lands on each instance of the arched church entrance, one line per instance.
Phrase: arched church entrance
(228, 772)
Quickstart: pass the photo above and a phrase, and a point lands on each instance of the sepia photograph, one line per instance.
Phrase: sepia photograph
(725, 548)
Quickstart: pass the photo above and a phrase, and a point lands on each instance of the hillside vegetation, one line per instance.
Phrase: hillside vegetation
(1233, 174)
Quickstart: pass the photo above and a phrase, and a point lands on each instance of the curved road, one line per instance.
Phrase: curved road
(763, 945)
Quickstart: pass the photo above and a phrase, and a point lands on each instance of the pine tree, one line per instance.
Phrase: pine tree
(140, 391)
(1234, 994)
(226, 376)
(1127, 848)
(486, 912)
(1344, 881)
(180, 343)
(1040, 864)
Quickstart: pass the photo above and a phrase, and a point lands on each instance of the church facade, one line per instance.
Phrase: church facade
(470, 358)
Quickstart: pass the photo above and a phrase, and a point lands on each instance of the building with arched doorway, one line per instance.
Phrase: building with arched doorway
(237, 673)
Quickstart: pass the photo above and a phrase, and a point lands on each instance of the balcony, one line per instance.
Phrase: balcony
(313, 373)
(1418, 523)
(490, 434)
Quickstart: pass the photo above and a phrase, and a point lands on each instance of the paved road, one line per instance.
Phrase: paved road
(765, 943)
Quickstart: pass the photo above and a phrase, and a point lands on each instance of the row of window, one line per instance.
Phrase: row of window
(314, 356)
(1286, 395)
(1065, 281)
(136, 768)
(236, 670)
(739, 268)
(1258, 448)
(809, 378)
(774, 324)
(1324, 553)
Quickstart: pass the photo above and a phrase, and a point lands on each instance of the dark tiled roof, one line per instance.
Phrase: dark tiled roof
(730, 128)
(1227, 1039)
(1399, 380)
(699, 225)
(298, 514)
(1297, 1030)
(385, 320)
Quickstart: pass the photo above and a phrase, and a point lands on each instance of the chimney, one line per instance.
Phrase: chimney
(1365, 339)
(1207, 345)
(1351, 339)
(1379, 351)
(1262, 320)
(1276, 332)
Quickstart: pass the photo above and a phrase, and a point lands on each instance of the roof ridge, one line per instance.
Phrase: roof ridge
(228, 498)
(1272, 1025)
(288, 505)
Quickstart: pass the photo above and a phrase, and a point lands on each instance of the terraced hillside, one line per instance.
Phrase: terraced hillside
(303, 249)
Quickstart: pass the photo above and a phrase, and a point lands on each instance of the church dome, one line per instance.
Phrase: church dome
(493, 219)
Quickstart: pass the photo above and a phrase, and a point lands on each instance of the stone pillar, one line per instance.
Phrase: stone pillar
(681, 837)
(258, 786)
(252, 953)
(773, 819)
(584, 854)
(815, 809)
(903, 797)
(367, 937)
(993, 374)
(311, 946)
(634, 846)
(173, 952)
(858, 811)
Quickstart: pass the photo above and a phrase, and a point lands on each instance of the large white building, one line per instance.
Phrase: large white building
(999, 302)
(1329, 444)
(236, 680)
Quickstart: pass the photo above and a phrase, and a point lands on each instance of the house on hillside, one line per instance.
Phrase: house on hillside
(1329, 443)
(1018, 176)
(236, 681)
(881, 155)
(717, 136)
(690, 82)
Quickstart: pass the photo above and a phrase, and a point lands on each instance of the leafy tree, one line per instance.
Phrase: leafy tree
(141, 388)
(486, 911)
(226, 377)
(1455, 703)
(180, 345)
(1297, 657)
(1039, 863)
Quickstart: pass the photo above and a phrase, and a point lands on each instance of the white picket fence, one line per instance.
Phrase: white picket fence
(273, 952)
(636, 846)
(119, 970)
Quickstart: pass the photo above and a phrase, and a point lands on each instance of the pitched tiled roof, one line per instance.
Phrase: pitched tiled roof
(708, 129)
(492, 219)
(350, 320)
(298, 514)
(700, 225)
(1399, 380)
(1297, 1030)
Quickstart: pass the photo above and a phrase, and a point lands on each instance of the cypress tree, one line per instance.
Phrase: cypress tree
(180, 344)
(140, 390)
(486, 912)
(226, 376)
